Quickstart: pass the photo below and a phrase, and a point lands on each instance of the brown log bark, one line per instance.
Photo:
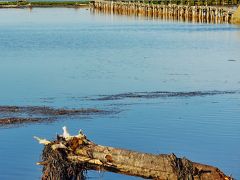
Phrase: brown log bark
(70, 156)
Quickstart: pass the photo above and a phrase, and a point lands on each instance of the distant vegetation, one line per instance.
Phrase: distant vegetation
(82, 2)
(44, 3)
(195, 2)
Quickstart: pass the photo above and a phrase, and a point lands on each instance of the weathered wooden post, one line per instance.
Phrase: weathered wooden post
(236, 16)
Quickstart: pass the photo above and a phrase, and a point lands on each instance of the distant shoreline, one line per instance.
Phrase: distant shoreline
(44, 4)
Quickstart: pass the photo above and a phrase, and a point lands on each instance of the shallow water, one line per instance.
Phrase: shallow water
(69, 58)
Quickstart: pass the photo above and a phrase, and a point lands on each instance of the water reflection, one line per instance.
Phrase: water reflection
(63, 57)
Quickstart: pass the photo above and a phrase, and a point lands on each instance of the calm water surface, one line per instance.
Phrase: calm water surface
(65, 57)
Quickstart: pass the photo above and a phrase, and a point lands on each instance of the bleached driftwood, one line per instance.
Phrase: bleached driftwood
(69, 157)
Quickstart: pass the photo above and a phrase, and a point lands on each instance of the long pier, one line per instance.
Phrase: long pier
(158, 9)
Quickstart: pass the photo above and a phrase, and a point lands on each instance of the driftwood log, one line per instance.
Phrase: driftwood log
(69, 157)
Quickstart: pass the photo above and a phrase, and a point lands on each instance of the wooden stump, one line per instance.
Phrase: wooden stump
(236, 17)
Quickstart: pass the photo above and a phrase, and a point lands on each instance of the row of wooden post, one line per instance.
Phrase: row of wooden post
(208, 14)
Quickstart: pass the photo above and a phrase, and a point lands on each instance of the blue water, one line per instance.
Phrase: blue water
(65, 57)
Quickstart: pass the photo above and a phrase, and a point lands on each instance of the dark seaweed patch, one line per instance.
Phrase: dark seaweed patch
(44, 110)
(11, 116)
(160, 94)
(9, 122)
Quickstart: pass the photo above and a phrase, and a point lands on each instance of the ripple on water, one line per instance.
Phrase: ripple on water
(168, 80)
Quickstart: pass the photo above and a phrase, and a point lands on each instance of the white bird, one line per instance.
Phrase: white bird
(80, 134)
(65, 132)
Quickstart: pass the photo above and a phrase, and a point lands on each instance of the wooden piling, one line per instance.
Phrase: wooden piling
(184, 11)
(236, 17)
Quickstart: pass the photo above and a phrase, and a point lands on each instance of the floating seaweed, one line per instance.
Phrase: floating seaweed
(18, 115)
(161, 94)
(13, 121)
